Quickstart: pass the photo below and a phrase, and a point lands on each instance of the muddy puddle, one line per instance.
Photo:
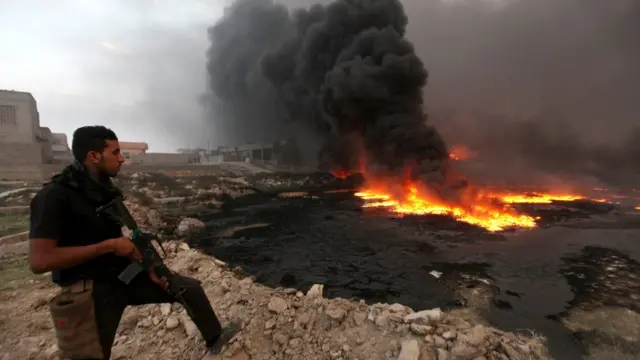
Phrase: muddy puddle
(538, 280)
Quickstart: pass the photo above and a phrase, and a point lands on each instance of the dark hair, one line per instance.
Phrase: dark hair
(90, 138)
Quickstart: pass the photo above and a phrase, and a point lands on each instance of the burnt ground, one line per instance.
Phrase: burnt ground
(536, 279)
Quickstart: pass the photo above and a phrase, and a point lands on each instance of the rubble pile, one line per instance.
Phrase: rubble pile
(280, 323)
(284, 180)
(160, 188)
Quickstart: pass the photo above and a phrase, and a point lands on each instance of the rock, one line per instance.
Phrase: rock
(270, 324)
(189, 226)
(421, 329)
(382, 320)
(220, 263)
(424, 317)
(524, 348)
(240, 355)
(440, 342)
(409, 350)
(443, 354)
(165, 309)
(475, 336)
(335, 312)
(304, 319)
(462, 351)
(295, 342)
(397, 308)
(359, 317)
(280, 337)
(449, 335)
(277, 305)
(145, 323)
(429, 339)
(190, 329)
(51, 351)
(172, 323)
(246, 283)
(316, 291)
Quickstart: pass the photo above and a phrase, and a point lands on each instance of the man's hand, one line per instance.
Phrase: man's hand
(123, 246)
(160, 281)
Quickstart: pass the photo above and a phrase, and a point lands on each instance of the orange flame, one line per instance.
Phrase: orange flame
(461, 152)
(491, 209)
(340, 173)
(538, 198)
(481, 213)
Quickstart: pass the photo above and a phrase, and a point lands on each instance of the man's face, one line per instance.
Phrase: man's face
(109, 161)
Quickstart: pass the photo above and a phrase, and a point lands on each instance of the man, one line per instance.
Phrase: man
(86, 252)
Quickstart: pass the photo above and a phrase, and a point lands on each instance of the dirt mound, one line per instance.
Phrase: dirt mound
(278, 324)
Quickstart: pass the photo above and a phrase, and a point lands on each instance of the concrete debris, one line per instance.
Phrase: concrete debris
(409, 350)
(189, 226)
(277, 305)
(315, 291)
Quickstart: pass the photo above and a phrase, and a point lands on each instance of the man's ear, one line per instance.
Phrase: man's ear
(94, 157)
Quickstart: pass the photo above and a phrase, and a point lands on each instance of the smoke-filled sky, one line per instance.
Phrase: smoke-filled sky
(564, 68)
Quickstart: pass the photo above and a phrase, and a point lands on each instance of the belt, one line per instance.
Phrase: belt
(78, 287)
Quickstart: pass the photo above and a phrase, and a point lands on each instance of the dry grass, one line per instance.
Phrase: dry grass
(609, 353)
(13, 223)
(13, 269)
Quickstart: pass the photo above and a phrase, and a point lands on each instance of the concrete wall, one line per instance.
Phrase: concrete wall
(26, 172)
(162, 159)
(45, 140)
(132, 149)
(60, 150)
(19, 118)
(19, 154)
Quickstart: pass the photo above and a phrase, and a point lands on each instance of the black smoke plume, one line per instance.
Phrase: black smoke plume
(244, 105)
(346, 72)
(541, 90)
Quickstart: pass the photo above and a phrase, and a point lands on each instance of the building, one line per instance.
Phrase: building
(26, 147)
(23, 141)
(60, 151)
(135, 153)
(129, 149)
(164, 159)
(280, 152)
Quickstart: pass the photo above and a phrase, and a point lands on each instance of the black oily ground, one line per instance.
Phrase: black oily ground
(370, 254)
(332, 241)
(357, 253)
(601, 277)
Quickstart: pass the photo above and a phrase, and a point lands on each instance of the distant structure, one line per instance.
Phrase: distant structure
(132, 149)
(22, 140)
(282, 152)
(135, 153)
(60, 151)
(29, 151)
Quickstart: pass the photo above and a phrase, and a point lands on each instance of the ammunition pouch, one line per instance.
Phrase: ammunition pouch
(74, 320)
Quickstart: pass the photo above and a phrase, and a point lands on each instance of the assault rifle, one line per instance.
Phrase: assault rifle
(117, 211)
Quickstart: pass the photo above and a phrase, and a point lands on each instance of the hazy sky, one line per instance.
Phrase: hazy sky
(137, 66)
